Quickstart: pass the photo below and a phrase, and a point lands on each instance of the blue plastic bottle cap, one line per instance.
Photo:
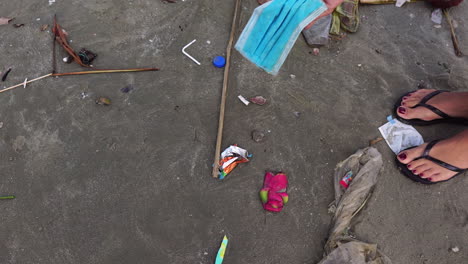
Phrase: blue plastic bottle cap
(219, 61)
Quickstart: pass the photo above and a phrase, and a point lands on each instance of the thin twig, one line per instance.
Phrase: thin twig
(456, 46)
(105, 71)
(21, 84)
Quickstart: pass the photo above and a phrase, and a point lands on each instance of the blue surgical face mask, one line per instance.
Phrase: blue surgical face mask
(273, 29)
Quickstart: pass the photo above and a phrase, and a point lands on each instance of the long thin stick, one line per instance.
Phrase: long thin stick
(222, 108)
(456, 46)
(105, 71)
(21, 84)
(80, 73)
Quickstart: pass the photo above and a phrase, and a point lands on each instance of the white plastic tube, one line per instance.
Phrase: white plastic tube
(188, 55)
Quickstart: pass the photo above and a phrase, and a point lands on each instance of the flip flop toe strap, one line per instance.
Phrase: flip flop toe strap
(437, 161)
(434, 109)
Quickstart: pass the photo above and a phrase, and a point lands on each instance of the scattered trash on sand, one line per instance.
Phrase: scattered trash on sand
(259, 100)
(436, 16)
(273, 29)
(87, 56)
(346, 180)
(188, 55)
(7, 197)
(455, 249)
(318, 34)
(219, 61)
(127, 88)
(103, 101)
(243, 100)
(343, 247)
(274, 192)
(258, 136)
(5, 20)
(230, 158)
(400, 136)
(222, 251)
(5, 75)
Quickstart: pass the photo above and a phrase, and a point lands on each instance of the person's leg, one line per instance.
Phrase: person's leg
(454, 104)
(453, 151)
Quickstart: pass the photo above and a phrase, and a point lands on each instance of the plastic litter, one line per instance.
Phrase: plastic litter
(222, 251)
(230, 158)
(259, 100)
(273, 29)
(219, 61)
(274, 192)
(188, 55)
(341, 246)
(317, 35)
(346, 181)
(400, 136)
(436, 16)
(243, 100)
(103, 101)
(7, 197)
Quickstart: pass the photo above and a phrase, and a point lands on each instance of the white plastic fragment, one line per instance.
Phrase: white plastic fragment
(400, 136)
(455, 249)
(242, 98)
(436, 16)
(25, 82)
(400, 3)
(188, 55)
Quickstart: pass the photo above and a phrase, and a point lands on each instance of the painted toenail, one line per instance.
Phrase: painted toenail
(409, 166)
(422, 174)
(413, 171)
(403, 103)
(430, 179)
(401, 110)
(405, 98)
(402, 156)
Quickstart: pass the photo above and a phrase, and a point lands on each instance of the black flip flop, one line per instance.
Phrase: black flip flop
(423, 103)
(408, 173)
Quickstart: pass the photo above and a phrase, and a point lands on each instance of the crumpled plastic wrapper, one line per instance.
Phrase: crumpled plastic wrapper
(230, 157)
(341, 247)
(400, 136)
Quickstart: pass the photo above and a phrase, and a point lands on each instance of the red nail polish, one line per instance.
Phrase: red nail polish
(405, 98)
(430, 179)
(413, 171)
(422, 174)
(401, 110)
(402, 156)
(403, 103)
(409, 166)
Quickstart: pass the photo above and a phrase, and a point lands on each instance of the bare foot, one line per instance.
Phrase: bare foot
(453, 104)
(453, 151)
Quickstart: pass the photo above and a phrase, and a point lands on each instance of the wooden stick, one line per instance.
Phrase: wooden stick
(456, 46)
(79, 73)
(222, 107)
(21, 84)
(105, 71)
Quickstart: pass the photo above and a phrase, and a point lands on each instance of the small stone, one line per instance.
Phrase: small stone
(205, 253)
(359, 65)
(1, 124)
(316, 51)
(257, 136)
(378, 51)
(297, 114)
(455, 249)
(127, 88)
(208, 42)
(103, 101)
(292, 76)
